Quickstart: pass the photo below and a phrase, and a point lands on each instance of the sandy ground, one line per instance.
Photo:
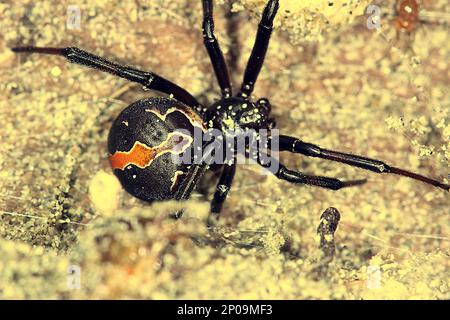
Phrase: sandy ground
(67, 229)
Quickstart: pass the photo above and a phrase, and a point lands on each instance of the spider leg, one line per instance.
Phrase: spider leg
(213, 48)
(223, 187)
(297, 177)
(297, 146)
(193, 175)
(147, 79)
(195, 172)
(259, 50)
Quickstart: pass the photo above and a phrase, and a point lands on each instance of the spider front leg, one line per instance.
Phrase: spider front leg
(147, 79)
(213, 48)
(259, 50)
(222, 189)
(295, 145)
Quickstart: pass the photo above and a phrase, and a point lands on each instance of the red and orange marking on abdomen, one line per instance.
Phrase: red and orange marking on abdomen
(142, 155)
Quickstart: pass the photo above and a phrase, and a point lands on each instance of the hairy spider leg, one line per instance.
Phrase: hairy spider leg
(298, 177)
(222, 190)
(214, 51)
(195, 172)
(259, 50)
(295, 145)
(149, 80)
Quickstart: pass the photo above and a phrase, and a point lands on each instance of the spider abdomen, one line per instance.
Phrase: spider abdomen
(142, 142)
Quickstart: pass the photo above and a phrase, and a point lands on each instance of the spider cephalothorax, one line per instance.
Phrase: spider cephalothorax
(238, 114)
(148, 135)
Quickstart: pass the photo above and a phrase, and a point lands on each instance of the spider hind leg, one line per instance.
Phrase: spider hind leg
(295, 145)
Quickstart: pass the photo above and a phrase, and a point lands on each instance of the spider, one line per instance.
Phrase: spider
(407, 14)
(144, 136)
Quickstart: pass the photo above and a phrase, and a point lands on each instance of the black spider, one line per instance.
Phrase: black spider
(146, 134)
